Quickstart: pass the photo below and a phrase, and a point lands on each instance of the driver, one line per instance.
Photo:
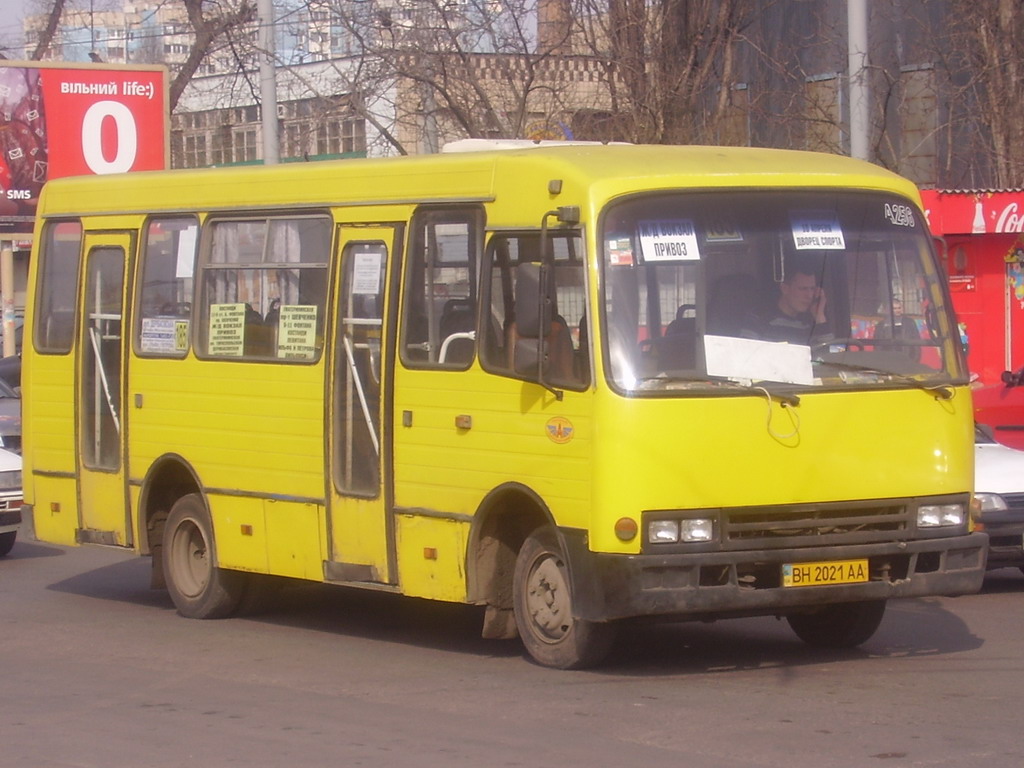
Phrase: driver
(798, 315)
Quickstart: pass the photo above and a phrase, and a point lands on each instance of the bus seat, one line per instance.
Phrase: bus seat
(273, 314)
(524, 331)
(258, 340)
(458, 317)
(685, 321)
(677, 349)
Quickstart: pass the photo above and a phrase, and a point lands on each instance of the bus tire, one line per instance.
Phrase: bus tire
(198, 588)
(542, 598)
(843, 625)
(7, 542)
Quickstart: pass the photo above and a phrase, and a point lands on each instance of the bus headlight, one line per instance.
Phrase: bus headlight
(687, 531)
(990, 502)
(940, 515)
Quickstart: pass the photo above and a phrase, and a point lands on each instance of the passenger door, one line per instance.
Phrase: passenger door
(359, 526)
(104, 516)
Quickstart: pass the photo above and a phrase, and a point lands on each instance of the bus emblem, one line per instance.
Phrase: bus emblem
(560, 429)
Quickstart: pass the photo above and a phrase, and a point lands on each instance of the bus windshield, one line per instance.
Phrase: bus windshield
(823, 289)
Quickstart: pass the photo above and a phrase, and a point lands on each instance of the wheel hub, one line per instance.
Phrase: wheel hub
(548, 600)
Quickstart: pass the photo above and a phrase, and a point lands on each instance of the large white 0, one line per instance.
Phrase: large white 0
(127, 137)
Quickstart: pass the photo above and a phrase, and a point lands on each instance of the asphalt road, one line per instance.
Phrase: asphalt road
(98, 670)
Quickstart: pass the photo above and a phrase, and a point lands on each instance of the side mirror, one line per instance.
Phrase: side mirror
(1012, 379)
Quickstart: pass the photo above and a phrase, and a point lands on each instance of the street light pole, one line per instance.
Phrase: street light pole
(857, 49)
(268, 82)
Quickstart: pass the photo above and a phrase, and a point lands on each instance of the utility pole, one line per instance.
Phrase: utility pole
(857, 49)
(268, 82)
(7, 291)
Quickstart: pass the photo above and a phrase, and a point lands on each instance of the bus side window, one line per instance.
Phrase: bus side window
(58, 286)
(165, 292)
(439, 316)
(357, 376)
(264, 288)
(510, 257)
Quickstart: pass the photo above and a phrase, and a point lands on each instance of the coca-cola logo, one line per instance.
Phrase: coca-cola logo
(1009, 220)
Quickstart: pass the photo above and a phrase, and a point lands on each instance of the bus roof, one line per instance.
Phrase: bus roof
(590, 175)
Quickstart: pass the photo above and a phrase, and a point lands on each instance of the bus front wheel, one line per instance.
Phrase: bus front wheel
(542, 597)
(7, 542)
(843, 625)
(199, 589)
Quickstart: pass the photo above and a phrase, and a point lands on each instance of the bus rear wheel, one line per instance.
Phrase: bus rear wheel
(843, 625)
(542, 597)
(198, 588)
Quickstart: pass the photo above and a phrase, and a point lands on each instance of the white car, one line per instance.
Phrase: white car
(10, 499)
(999, 493)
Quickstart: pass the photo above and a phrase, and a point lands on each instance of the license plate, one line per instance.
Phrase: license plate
(818, 574)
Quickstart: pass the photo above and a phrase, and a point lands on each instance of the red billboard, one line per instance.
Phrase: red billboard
(65, 120)
(953, 212)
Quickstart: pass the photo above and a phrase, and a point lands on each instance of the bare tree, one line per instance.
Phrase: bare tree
(946, 74)
(49, 30)
(212, 23)
(455, 70)
(670, 63)
(989, 38)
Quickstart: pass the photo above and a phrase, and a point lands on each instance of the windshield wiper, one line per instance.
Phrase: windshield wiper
(758, 387)
(941, 391)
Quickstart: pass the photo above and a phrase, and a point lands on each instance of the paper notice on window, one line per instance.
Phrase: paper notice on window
(754, 360)
(227, 330)
(163, 335)
(620, 251)
(366, 273)
(668, 240)
(296, 332)
(186, 252)
(817, 231)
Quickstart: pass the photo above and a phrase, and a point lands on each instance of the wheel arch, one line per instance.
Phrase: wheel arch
(505, 517)
(169, 478)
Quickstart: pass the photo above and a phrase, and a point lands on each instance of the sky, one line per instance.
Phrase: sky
(13, 11)
(10, 21)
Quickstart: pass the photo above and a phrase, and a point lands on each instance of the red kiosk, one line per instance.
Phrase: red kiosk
(980, 234)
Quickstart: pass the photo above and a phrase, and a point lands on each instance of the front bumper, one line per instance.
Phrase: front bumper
(749, 583)
(10, 520)
(1006, 544)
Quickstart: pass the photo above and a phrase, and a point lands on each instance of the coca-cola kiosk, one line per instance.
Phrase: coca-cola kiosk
(980, 237)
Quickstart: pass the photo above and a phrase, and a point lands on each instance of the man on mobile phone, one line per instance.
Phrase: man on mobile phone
(798, 315)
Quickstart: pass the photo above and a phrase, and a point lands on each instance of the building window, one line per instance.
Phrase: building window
(353, 136)
(295, 140)
(328, 138)
(337, 136)
(195, 151)
(220, 148)
(244, 141)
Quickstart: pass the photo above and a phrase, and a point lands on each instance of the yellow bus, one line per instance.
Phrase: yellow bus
(577, 386)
